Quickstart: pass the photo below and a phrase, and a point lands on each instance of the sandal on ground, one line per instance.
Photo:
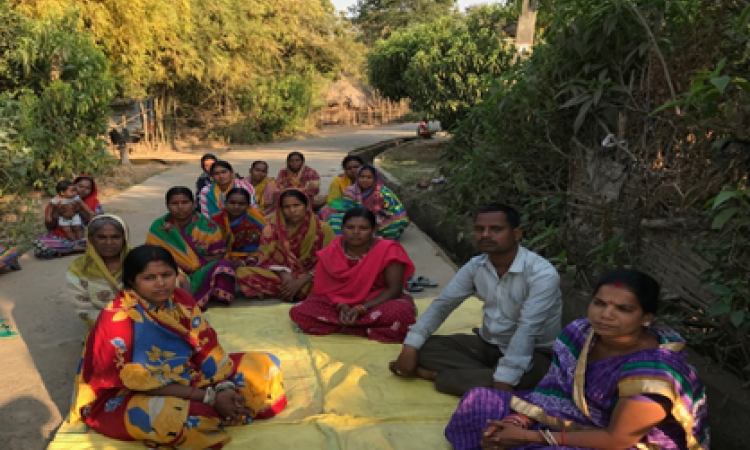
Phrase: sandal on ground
(426, 282)
(413, 286)
(5, 332)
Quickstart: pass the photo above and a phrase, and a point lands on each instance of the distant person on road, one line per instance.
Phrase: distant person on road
(213, 196)
(55, 243)
(423, 129)
(334, 203)
(265, 187)
(618, 380)
(297, 175)
(95, 278)
(197, 245)
(359, 285)
(241, 224)
(522, 316)
(288, 251)
(153, 369)
(370, 192)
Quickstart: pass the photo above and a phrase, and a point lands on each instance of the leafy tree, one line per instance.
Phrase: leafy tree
(57, 107)
(378, 19)
(214, 58)
(445, 67)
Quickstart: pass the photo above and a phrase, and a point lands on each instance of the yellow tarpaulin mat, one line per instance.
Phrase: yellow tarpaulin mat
(341, 394)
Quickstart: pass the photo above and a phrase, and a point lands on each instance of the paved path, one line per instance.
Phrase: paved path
(38, 368)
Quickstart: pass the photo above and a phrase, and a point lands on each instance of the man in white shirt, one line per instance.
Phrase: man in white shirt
(522, 316)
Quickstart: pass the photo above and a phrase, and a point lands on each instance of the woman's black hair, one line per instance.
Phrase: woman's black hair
(644, 287)
(360, 212)
(221, 163)
(208, 156)
(350, 158)
(138, 258)
(255, 163)
(239, 190)
(289, 156)
(299, 195)
(179, 190)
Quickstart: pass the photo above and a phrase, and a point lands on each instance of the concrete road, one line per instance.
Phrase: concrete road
(37, 368)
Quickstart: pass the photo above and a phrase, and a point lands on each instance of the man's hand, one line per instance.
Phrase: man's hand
(407, 362)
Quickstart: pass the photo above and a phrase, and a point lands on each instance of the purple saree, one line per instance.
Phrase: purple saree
(575, 395)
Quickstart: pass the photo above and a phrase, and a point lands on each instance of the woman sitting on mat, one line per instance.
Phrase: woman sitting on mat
(288, 251)
(351, 165)
(55, 243)
(370, 192)
(198, 247)
(297, 175)
(265, 187)
(241, 225)
(212, 197)
(358, 287)
(153, 369)
(617, 380)
(95, 278)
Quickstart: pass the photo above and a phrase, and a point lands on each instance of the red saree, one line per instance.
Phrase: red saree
(285, 248)
(339, 279)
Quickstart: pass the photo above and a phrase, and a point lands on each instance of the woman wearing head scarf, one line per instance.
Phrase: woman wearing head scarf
(370, 193)
(297, 175)
(288, 251)
(95, 278)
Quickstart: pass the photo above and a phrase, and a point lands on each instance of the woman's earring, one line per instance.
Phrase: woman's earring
(646, 324)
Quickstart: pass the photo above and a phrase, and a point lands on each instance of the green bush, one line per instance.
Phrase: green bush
(445, 67)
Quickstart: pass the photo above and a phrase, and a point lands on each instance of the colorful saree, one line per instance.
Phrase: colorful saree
(576, 395)
(91, 286)
(212, 198)
(306, 180)
(190, 247)
(9, 257)
(134, 348)
(340, 279)
(388, 209)
(242, 235)
(264, 195)
(54, 243)
(334, 202)
(285, 249)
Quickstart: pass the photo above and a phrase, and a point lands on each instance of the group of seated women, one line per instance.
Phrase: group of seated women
(153, 369)
(273, 248)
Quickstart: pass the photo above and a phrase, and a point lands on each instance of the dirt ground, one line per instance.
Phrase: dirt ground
(414, 162)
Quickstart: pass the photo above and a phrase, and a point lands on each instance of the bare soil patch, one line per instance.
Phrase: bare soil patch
(414, 162)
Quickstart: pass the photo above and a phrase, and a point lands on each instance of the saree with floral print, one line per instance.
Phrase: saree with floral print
(135, 348)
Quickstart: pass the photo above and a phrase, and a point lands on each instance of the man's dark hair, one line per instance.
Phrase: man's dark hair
(511, 215)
